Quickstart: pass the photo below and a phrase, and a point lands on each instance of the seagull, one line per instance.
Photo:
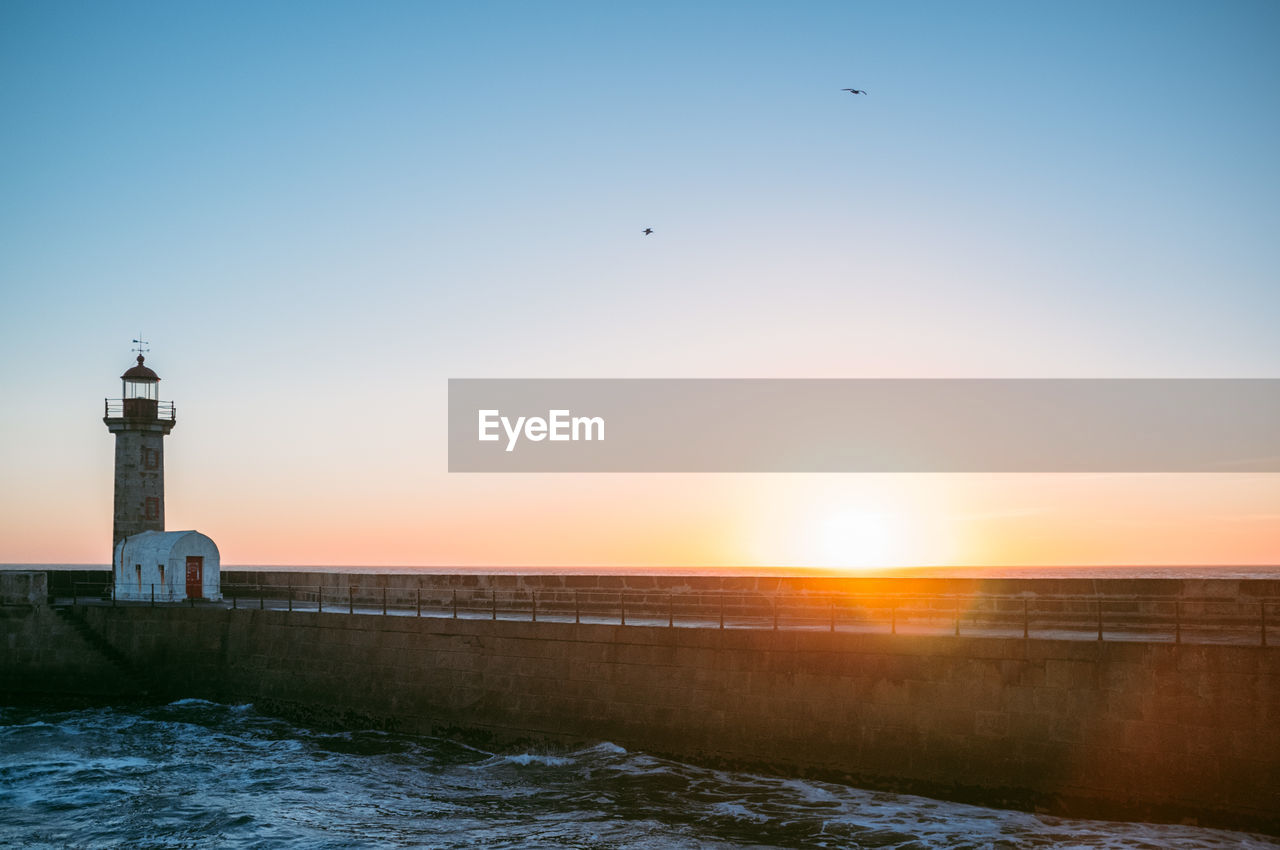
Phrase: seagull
(854, 91)
(647, 231)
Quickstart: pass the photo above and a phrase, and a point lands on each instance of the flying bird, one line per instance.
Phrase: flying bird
(647, 231)
(854, 91)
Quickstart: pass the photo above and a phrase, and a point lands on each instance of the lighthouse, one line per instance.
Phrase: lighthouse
(140, 422)
(148, 563)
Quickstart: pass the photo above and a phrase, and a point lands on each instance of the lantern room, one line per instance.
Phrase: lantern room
(140, 391)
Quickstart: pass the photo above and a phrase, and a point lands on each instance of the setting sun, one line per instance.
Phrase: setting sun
(859, 538)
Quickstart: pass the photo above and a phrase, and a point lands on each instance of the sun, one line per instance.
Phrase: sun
(859, 539)
(852, 525)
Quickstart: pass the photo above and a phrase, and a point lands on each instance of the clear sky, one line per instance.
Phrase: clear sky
(319, 212)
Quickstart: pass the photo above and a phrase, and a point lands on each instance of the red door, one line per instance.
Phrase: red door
(195, 576)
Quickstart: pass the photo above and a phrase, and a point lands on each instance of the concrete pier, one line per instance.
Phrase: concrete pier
(1130, 729)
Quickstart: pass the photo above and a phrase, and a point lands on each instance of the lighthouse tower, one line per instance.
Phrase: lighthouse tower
(147, 562)
(140, 422)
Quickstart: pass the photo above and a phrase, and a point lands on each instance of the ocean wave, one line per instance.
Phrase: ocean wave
(200, 702)
(526, 759)
(34, 724)
(738, 811)
(196, 772)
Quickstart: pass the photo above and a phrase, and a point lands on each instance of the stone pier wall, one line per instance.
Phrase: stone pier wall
(1099, 728)
(1128, 729)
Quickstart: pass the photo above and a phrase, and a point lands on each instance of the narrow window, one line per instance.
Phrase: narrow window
(150, 458)
(161, 568)
(138, 568)
(153, 507)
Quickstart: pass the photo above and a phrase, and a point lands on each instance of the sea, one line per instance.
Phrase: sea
(196, 774)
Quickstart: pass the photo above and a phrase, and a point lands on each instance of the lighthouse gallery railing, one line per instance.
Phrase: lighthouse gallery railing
(114, 408)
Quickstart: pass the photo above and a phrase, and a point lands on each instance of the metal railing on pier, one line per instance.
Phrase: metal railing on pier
(1113, 618)
(99, 592)
(1247, 621)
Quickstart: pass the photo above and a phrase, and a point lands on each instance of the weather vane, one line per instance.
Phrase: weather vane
(142, 347)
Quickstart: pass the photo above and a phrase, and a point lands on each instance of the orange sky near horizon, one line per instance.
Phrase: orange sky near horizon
(854, 522)
(830, 521)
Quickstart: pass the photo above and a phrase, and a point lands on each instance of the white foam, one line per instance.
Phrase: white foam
(737, 811)
(34, 724)
(526, 759)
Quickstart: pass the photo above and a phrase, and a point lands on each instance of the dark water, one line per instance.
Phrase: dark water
(194, 774)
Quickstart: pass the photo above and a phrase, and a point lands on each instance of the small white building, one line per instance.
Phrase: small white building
(172, 565)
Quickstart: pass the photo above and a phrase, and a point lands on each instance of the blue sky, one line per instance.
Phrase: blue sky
(1109, 166)
(312, 208)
